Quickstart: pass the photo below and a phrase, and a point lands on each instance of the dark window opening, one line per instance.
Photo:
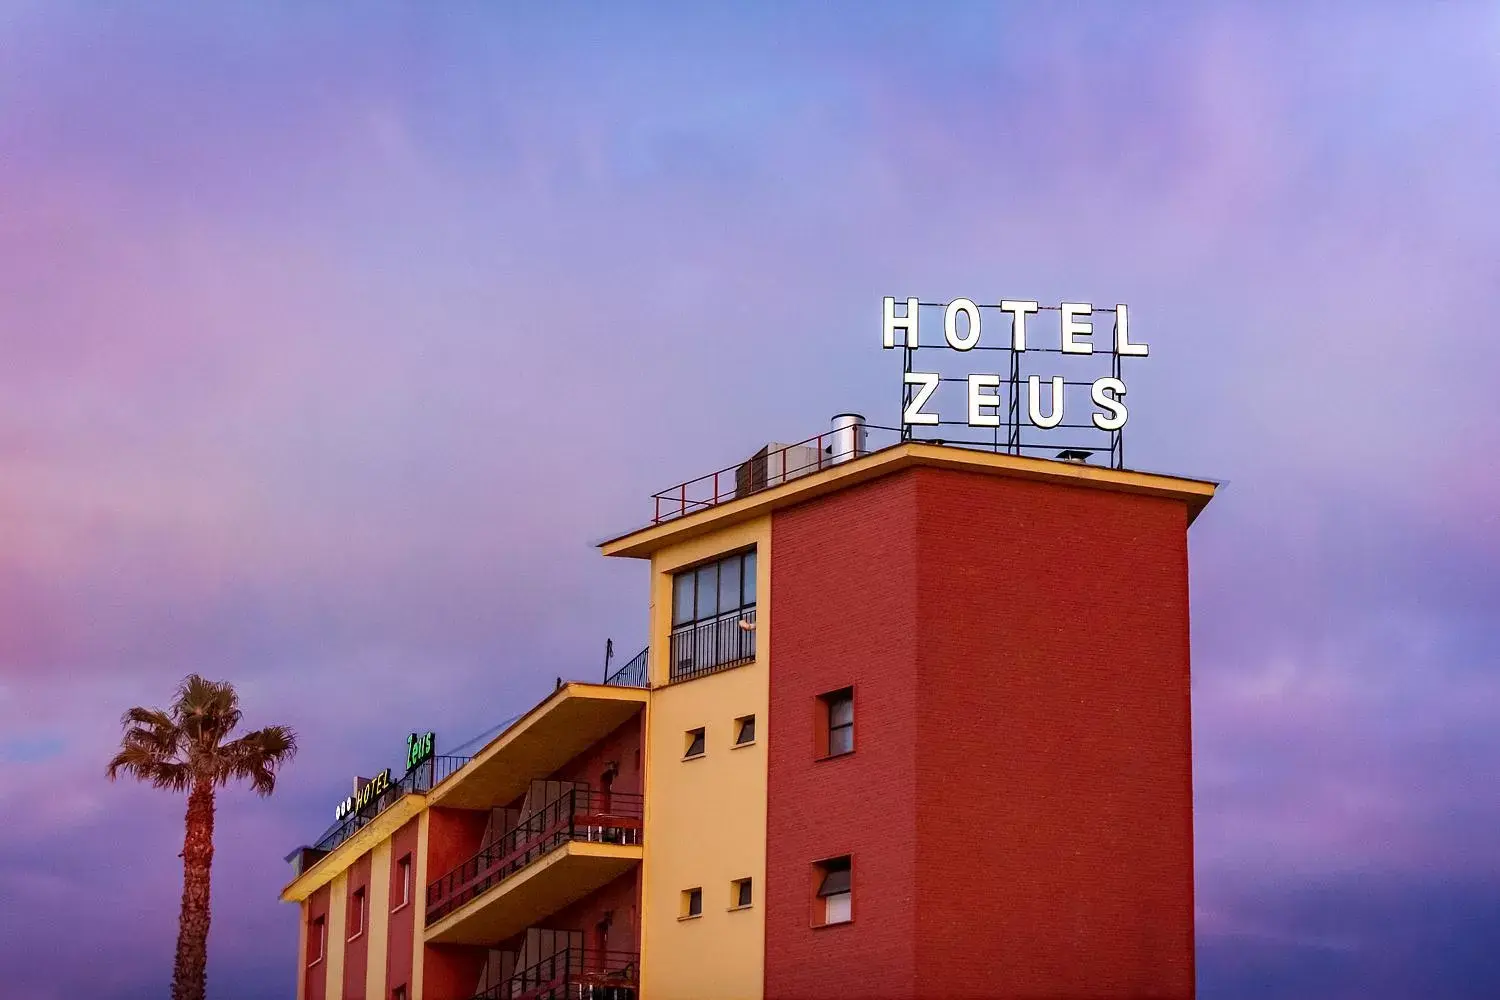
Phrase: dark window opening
(357, 913)
(742, 892)
(840, 708)
(692, 903)
(317, 938)
(746, 732)
(403, 879)
(695, 742)
(835, 892)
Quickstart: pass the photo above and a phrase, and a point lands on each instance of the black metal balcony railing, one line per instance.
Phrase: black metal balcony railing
(632, 674)
(573, 974)
(422, 778)
(581, 814)
(718, 644)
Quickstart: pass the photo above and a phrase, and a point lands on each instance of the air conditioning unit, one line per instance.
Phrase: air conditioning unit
(776, 464)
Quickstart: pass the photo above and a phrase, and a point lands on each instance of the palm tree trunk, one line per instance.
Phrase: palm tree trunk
(189, 976)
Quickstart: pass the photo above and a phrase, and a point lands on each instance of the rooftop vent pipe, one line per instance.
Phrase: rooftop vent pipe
(848, 436)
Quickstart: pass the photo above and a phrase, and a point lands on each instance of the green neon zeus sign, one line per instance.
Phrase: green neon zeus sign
(419, 747)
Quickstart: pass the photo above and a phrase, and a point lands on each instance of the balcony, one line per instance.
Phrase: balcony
(708, 647)
(553, 856)
(563, 725)
(573, 974)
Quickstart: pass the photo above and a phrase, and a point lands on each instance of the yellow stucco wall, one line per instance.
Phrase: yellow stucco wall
(379, 919)
(419, 886)
(338, 927)
(705, 818)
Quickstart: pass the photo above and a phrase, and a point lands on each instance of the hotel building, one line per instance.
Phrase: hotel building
(912, 722)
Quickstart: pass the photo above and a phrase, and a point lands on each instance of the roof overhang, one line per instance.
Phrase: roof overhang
(382, 827)
(641, 543)
(566, 723)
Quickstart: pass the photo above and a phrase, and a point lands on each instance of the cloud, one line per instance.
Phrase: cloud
(330, 345)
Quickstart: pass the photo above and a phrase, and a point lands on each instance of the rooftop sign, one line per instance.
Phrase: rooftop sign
(370, 791)
(993, 400)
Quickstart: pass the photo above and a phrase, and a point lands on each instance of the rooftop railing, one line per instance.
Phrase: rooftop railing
(422, 778)
(573, 974)
(632, 674)
(764, 470)
(579, 814)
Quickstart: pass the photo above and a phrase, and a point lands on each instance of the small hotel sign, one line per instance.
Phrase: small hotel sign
(962, 332)
(369, 793)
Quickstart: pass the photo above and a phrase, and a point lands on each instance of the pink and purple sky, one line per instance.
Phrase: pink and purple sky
(332, 336)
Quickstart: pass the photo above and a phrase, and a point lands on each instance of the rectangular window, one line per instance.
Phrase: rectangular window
(833, 903)
(744, 730)
(317, 940)
(695, 740)
(692, 903)
(403, 882)
(357, 913)
(740, 894)
(838, 716)
(713, 616)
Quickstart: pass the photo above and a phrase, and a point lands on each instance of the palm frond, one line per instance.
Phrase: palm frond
(153, 717)
(206, 710)
(144, 765)
(256, 757)
(185, 745)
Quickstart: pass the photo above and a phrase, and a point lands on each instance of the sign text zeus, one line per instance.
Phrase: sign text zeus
(961, 328)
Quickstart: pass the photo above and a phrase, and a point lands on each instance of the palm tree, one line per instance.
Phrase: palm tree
(183, 749)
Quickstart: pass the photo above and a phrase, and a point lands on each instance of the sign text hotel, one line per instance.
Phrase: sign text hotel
(962, 331)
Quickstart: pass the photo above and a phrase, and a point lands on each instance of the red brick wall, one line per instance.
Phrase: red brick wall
(622, 746)
(316, 976)
(356, 950)
(450, 972)
(843, 613)
(622, 896)
(404, 920)
(1019, 802)
(1054, 768)
(453, 836)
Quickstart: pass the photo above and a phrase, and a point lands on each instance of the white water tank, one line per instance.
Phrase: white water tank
(848, 438)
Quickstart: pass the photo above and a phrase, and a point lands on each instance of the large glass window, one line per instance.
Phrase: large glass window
(713, 616)
(719, 588)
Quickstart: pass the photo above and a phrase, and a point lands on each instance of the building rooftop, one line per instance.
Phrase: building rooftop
(779, 475)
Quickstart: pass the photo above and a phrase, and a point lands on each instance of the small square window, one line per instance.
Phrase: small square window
(838, 717)
(403, 882)
(833, 902)
(695, 742)
(744, 730)
(357, 913)
(740, 894)
(692, 903)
